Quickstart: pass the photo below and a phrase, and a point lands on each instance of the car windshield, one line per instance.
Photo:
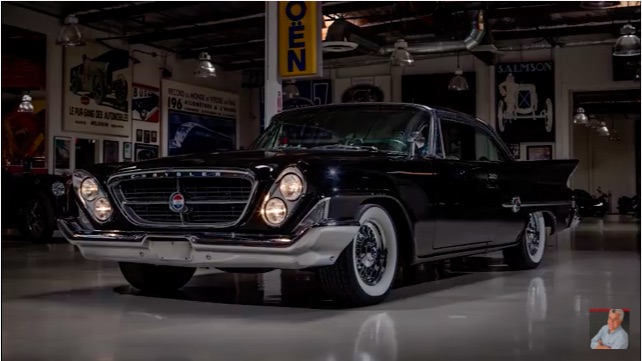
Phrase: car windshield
(351, 127)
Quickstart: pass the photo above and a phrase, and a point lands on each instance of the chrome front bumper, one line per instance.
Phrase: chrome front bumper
(317, 246)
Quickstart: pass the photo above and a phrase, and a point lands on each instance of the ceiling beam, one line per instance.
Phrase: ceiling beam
(253, 20)
(133, 10)
(537, 9)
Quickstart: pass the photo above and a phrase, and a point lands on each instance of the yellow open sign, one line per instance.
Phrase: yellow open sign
(299, 38)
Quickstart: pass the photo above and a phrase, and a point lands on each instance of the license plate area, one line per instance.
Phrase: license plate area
(171, 249)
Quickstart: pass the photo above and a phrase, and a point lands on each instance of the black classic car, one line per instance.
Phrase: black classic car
(590, 206)
(32, 202)
(354, 192)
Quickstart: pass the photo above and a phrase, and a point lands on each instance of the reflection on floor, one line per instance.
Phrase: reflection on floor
(58, 306)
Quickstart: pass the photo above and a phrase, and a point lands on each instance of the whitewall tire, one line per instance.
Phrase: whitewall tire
(529, 252)
(365, 271)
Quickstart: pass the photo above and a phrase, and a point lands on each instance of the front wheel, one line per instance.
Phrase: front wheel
(529, 252)
(364, 272)
(153, 278)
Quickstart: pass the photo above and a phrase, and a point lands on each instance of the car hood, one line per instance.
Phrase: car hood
(255, 160)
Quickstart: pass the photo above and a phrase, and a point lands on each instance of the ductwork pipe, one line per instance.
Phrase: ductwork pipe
(345, 31)
(477, 32)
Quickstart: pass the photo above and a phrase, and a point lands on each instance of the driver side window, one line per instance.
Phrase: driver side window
(462, 141)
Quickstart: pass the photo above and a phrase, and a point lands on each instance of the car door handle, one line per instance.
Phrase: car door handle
(491, 179)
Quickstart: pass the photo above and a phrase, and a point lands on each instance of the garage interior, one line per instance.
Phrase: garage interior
(58, 305)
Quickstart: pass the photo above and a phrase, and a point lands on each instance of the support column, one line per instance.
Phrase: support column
(273, 97)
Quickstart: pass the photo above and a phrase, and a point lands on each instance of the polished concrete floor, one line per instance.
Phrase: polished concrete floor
(58, 306)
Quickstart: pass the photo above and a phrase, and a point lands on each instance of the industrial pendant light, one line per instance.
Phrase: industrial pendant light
(70, 34)
(580, 117)
(205, 67)
(290, 90)
(400, 56)
(628, 44)
(26, 106)
(458, 82)
(603, 130)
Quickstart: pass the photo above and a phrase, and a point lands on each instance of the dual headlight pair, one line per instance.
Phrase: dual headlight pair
(288, 188)
(92, 196)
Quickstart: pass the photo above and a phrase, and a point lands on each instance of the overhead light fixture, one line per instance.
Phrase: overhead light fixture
(26, 106)
(580, 117)
(458, 82)
(290, 90)
(602, 130)
(205, 67)
(628, 44)
(400, 56)
(70, 34)
(598, 5)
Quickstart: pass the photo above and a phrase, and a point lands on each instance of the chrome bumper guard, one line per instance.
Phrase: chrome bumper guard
(318, 245)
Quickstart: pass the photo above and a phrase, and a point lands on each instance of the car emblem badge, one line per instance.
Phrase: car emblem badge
(516, 204)
(177, 202)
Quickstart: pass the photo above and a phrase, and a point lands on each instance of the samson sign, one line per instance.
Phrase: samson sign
(299, 38)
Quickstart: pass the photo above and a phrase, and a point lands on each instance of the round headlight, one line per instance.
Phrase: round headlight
(275, 211)
(58, 189)
(291, 186)
(102, 209)
(89, 189)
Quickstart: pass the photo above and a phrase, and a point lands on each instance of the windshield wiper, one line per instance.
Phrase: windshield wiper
(345, 146)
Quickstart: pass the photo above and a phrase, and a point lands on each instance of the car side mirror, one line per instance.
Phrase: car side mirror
(416, 138)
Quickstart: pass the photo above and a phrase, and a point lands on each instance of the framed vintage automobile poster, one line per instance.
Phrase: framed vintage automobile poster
(539, 152)
(96, 90)
(62, 158)
(127, 151)
(145, 151)
(111, 150)
(145, 103)
(197, 119)
(525, 95)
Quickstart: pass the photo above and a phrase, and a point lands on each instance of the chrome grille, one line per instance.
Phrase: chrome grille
(217, 198)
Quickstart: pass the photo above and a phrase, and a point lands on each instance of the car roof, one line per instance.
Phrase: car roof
(438, 109)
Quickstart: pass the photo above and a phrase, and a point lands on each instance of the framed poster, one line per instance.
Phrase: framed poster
(147, 136)
(110, 151)
(515, 150)
(62, 162)
(139, 135)
(145, 103)
(96, 90)
(127, 151)
(539, 152)
(525, 93)
(154, 136)
(197, 119)
(145, 151)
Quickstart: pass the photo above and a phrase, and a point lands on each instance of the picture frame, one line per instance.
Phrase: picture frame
(146, 136)
(145, 151)
(539, 152)
(154, 136)
(62, 155)
(111, 149)
(127, 151)
(139, 135)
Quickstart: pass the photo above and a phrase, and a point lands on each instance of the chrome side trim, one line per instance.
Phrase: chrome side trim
(542, 204)
(122, 204)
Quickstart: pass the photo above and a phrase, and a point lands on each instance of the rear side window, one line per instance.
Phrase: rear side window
(462, 141)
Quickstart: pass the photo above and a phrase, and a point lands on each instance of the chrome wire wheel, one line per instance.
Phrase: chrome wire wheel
(35, 219)
(370, 253)
(535, 237)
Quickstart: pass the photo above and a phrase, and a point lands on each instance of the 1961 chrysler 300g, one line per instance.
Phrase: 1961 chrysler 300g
(354, 192)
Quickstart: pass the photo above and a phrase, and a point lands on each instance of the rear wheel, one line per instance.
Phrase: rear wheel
(529, 252)
(153, 278)
(364, 272)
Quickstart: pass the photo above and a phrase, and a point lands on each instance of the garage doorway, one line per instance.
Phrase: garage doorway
(608, 162)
